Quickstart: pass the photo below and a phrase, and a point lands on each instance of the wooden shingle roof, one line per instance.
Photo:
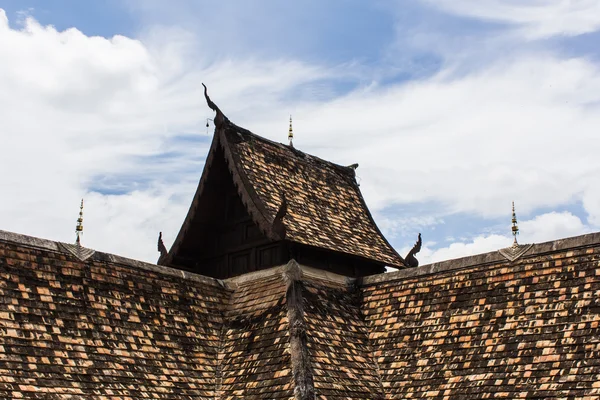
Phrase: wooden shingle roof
(105, 327)
(85, 324)
(324, 207)
(109, 327)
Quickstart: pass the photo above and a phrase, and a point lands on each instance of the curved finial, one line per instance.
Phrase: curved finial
(219, 117)
(291, 133)
(278, 225)
(79, 226)
(515, 227)
(410, 258)
(161, 246)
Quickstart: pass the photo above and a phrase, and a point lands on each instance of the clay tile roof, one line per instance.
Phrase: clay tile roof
(325, 207)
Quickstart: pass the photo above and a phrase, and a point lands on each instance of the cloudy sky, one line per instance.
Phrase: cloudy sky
(452, 108)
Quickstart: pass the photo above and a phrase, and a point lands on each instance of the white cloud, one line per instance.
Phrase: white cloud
(478, 245)
(533, 18)
(78, 107)
(523, 130)
(591, 200)
(551, 226)
(393, 227)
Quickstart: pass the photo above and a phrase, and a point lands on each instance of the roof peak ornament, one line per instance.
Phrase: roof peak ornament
(220, 118)
(291, 133)
(77, 249)
(410, 258)
(516, 250)
(79, 226)
(515, 227)
(278, 225)
(161, 246)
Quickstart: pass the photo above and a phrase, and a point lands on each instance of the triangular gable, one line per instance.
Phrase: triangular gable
(221, 202)
(292, 198)
(324, 206)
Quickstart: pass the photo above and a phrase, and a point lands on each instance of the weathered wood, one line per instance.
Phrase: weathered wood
(304, 386)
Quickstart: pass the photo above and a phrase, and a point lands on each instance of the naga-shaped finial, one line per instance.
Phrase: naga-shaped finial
(79, 226)
(410, 258)
(278, 226)
(161, 246)
(220, 117)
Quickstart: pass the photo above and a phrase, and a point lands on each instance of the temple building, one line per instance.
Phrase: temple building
(260, 204)
(274, 288)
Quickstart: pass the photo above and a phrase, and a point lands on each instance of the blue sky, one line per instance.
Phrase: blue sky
(452, 109)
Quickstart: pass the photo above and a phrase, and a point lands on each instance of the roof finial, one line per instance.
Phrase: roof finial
(79, 227)
(515, 227)
(220, 118)
(410, 258)
(291, 133)
(161, 246)
(278, 225)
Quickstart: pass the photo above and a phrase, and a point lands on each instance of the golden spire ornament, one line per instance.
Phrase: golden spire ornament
(515, 251)
(291, 133)
(79, 227)
(515, 227)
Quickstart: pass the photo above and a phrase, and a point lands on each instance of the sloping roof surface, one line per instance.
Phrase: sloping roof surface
(484, 327)
(338, 346)
(325, 208)
(255, 349)
(110, 327)
(103, 329)
(478, 327)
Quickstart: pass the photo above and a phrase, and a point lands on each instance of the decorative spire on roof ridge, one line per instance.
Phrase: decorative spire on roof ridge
(79, 226)
(291, 133)
(515, 227)
(77, 249)
(515, 251)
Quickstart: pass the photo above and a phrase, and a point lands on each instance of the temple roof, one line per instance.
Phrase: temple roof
(323, 205)
(76, 323)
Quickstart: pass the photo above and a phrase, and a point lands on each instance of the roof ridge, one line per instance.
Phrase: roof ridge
(251, 200)
(307, 274)
(61, 248)
(344, 168)
(490, 257)
(304, 388)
